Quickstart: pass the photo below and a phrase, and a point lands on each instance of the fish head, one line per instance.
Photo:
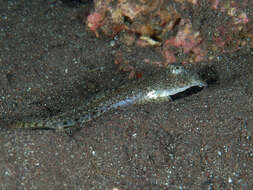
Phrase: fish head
(173, 80)
(183, 77)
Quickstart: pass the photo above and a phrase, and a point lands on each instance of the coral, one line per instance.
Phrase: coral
(164, 24)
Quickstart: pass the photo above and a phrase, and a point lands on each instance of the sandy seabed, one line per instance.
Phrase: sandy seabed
(50, 63)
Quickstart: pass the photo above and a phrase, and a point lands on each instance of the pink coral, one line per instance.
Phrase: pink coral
(94, 21)
(158, 23)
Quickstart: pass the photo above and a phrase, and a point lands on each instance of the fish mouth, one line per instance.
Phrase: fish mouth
(201, 84)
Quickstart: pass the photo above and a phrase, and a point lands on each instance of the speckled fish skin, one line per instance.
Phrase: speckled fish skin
(155, 88)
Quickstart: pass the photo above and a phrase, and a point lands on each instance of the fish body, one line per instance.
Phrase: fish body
(156, 88)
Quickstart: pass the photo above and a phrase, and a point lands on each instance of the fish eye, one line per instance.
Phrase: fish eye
(177, 69)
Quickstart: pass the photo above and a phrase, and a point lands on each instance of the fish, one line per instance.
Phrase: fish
(158, 87)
